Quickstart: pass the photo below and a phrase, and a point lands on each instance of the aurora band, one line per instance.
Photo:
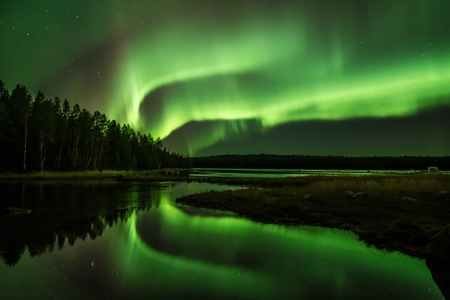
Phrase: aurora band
(273, 70)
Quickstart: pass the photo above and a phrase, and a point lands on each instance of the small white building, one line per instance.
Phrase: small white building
(433, 169)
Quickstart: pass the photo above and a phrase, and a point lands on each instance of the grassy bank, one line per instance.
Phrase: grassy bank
(390, 212)
(406, 213)
(150, 175)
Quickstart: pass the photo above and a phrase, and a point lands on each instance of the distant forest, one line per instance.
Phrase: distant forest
(45, 134)
(267, 161)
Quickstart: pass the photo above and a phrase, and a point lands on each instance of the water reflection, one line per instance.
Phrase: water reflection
(238, 259)
(145, 246)
(65, 212)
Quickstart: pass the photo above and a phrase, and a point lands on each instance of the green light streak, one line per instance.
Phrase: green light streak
(277, 70)
(181, 58)
(238, 61)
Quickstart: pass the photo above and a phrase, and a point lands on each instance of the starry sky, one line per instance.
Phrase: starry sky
(353, 77)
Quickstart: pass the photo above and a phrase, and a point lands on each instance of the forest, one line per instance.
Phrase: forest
(37, 134)
(268, 161)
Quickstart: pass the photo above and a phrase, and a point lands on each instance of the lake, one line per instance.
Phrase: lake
(118, 240)
(279, 173)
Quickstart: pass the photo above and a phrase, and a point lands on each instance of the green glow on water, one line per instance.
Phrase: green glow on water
(267, 261)
(170, 252)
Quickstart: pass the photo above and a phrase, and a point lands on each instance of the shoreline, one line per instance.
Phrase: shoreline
(394, 213)
(405, 224)
(117, 175)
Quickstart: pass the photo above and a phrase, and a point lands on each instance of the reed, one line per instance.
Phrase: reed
(99, 175)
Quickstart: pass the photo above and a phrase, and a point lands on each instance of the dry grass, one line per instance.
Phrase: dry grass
(166, 174)
(383, 188)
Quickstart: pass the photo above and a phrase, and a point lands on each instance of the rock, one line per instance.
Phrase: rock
(409, 199)
(439, 248)
(308, 197)
(372, 183)
(349, 195)
(121, 176)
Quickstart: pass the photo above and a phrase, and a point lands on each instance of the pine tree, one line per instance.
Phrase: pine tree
(20, 105)
(43, 121)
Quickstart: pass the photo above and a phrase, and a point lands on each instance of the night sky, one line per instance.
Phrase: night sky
(356, 77)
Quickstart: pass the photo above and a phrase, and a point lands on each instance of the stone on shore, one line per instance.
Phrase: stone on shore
(409, 199)
(349, 195)
(308, 197)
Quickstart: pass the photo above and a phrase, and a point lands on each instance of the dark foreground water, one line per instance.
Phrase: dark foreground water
(129, 241)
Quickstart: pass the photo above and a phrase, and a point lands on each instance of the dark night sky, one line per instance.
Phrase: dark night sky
(354, 77)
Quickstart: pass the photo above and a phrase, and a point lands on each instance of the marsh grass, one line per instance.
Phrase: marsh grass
(382, 188)
(98, 175)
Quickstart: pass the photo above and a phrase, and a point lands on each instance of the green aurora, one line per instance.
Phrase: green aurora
(239, 68)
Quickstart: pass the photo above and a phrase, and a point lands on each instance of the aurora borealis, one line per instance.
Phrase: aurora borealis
(214, 77)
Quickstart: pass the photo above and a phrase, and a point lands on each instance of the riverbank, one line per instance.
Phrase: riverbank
(390, 212)
(403, 213)
(149, 175)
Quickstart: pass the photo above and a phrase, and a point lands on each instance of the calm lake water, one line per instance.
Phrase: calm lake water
(278, 173)
(109, 240)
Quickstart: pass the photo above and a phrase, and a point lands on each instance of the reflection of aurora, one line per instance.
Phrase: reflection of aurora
(262, 261)
(169, 252)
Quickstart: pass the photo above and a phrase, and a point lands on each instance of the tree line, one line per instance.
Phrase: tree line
(37, 133)
(267, 161)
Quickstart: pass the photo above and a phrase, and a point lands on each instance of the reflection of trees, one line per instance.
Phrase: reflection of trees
(60, 213)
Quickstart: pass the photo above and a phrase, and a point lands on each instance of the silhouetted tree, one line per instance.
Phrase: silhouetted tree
(100, 126)
(20, 104)
(61, 116)
(74, 127)
(7, 131)
(43, 121)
